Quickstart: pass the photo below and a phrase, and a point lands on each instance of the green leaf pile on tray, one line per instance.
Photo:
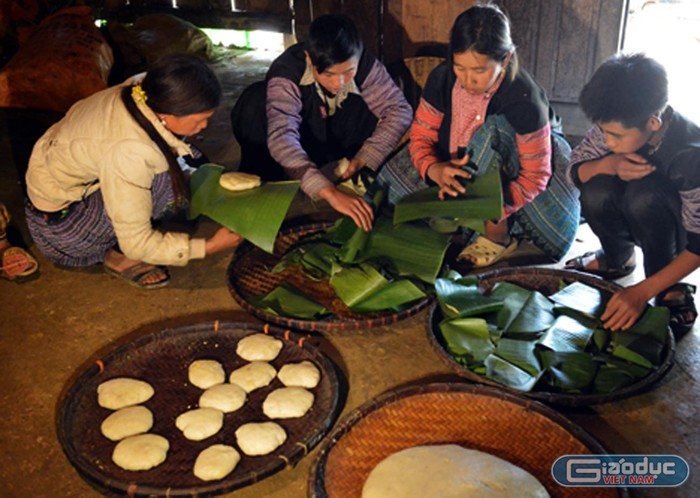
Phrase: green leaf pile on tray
(387, 268)
(527, 341)
(255, 214)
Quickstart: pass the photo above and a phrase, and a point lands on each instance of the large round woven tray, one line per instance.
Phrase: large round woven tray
(521, 431)
(547, 281)
(162, 359)
(249, 276)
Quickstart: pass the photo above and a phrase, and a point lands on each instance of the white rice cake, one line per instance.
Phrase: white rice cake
(237, 181)
(224, 397)
(449, 471)
(303, 374)
(206, 373)
(127, 422)
(259, 347)
(260, 438)
(141, 452)
(252, 376)
(288, 402)
(216, 462)
(200, 423)
(121, 392)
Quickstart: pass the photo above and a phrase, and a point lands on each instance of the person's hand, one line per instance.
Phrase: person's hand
(355, 165)
(350, 205)
(624, 308)
(222, 240)
(447, 175)
(630, 167)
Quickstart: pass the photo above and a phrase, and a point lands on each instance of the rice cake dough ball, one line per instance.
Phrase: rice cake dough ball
(224, 397)
(237, 181)
(260, 438)
(127, 422)
(206, 373)
(303, 374)
(216, 462)
(200, 423)
(288, 402)
(121, 392)
(259, 347)
(252, 376)
(141, 452)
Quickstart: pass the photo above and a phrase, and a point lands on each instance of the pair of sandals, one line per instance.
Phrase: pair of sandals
(18, 265)
(681, 306)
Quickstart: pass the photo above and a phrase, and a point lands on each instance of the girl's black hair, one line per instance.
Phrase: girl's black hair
(485, 29)
(180, 85)
(333, 39)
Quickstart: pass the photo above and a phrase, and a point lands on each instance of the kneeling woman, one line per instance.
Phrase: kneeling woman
(98, 177)
(479, 103)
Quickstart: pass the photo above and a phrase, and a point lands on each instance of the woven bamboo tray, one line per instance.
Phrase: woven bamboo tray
(521, 431)
(249, 276)
(547, 282)
(162, 359)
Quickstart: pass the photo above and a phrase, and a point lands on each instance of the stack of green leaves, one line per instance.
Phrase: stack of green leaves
(527, 341)
(387, 268)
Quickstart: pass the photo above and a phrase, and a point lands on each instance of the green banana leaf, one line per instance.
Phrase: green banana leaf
(393, 295)
(610, 379)
(583, 298)
(463, 300)
(514, 299)
(407, 249)
(287, 300)
(254, 214)
(520, 353)
(534, 317)
(570, 371)
(566, 335)
(468, 337)
(356, 283)
(483, 200)
(504, 372)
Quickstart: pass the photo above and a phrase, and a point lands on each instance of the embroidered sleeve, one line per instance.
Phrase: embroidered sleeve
(283, 110)
(388, 104)
(592, 147)
(424, 136)
(535, 153)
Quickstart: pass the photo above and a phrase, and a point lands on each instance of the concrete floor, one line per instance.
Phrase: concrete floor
(52, 326)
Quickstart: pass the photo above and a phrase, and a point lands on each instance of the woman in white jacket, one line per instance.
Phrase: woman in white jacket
(99, 177)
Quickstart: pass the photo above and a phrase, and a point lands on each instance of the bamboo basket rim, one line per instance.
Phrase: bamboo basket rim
(90, 453)
(386, 402)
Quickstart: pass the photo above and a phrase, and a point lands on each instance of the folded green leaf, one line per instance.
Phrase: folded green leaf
(483, 200)
(520, 353)
(393, 295)
(570, 371)
(356, 283)
(463, 300)
(566, 335)
(287, 300)
(468, 337)
(506, 373)
(610, 379)
(255, 214)
(583, 298)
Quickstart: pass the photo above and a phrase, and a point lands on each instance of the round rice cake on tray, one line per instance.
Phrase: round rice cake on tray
(259, 347)
(253, 375)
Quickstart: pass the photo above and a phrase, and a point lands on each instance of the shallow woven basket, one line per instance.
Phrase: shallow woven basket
(547, 281)
(162, 359)
(524, 432)
(249, 276)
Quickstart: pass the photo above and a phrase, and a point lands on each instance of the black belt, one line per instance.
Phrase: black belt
(51, 217)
